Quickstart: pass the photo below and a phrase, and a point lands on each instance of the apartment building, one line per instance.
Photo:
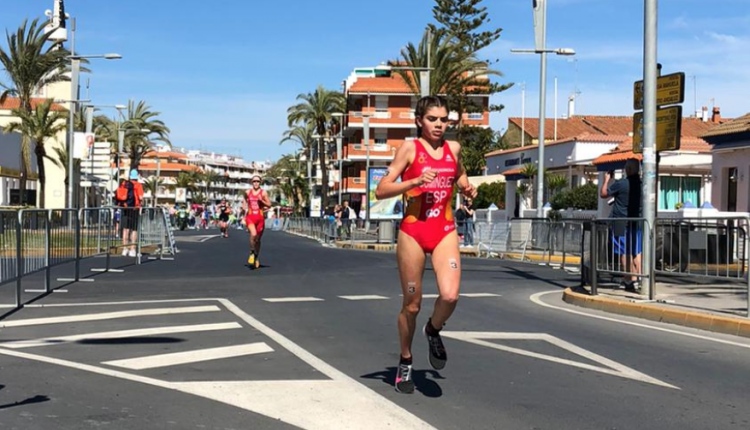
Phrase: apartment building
(384, 97)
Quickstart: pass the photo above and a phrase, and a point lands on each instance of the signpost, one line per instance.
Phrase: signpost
(668, 129)
(670, 90)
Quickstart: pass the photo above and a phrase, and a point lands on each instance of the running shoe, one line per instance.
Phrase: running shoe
(404, 383)
(437, 354)
(257, 263)
(251, 259)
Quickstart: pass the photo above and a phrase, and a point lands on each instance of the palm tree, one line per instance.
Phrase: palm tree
(291, 180)
(140, 125)
(455, 72)
(317, 109)
(152, 185)
(62, 161)
(39, 126)
(31, 61)
(303, 135)
(187, 180)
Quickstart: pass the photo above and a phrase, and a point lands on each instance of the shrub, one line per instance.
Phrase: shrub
(583, 198)
(487, 194)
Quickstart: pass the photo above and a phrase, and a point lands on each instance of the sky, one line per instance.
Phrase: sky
(223, 73)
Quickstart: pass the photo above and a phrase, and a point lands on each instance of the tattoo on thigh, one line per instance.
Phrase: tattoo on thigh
(411, 287)
(453, 263)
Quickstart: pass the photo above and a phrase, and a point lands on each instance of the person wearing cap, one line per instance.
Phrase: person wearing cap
(256, 202)
(129, 196)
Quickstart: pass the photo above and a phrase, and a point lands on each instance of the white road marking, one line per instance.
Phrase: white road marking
(44, 291)
(612, 367)
(47, 341)
(536, 298)
(292, 299)
(185, 357)
(364, 297)
(479, 295)
(311, 405)
(108, 315)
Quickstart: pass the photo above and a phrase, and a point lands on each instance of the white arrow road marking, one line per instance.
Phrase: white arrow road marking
(108, 316)
(292, 299)
(613, 368)
(341, 402)
(185, 357)
(364, 297)
(119, 334)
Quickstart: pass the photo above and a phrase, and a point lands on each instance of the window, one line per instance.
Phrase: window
(731, 189)
(679, 189)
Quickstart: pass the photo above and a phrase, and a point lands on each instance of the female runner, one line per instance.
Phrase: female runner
(429, 168)
(256, 201)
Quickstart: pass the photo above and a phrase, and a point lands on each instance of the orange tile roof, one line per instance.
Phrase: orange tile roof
(168, 167)
(394, 84)
(624, 151)
(516, 171)
(15, 103)
(737, 125)
(600, 125)
(584, 138)
(168, 154)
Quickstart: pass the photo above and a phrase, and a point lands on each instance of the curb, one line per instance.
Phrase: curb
(367, 246)
(717, 323)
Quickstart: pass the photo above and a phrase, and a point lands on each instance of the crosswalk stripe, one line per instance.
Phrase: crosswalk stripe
(478, 295)
(364, 297)
(48, 341)
(109, 315)
(292, 299)
(177, 358)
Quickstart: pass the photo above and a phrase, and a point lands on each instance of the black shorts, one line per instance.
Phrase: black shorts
(130, 219)
(224, 218)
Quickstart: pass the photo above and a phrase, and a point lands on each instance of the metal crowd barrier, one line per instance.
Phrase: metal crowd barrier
(37, 240)
(617, 248)
(326, 230)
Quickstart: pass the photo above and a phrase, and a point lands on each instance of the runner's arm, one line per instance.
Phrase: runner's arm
(388, 187)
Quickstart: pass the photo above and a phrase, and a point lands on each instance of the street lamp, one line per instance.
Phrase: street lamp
(75, 65)
(540, 16)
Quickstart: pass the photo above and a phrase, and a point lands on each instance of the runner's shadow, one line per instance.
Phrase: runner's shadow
(29, 401)
(422, 382)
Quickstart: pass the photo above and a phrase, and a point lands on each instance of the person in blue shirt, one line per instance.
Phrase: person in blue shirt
(626, 236)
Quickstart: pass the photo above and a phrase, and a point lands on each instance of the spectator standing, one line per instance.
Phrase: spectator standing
(129, 196)
(626, 236)
(460, 217)
(346, 219)
(469, 209)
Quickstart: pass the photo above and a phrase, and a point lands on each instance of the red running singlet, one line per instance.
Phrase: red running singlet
(254, 212)
(428, 217)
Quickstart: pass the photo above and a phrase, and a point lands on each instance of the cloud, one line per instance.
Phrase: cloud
(724, 38)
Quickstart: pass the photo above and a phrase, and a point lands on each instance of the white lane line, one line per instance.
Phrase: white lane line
(536, 298)
(44, 291)
(364, 297)
(186, 357)
(426, 296)
(292, 299)
(479, 295)
(109, 315)
(47, 341)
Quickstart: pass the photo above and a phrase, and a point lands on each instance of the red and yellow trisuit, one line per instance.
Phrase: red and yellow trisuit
(428, 217)
(254, 211)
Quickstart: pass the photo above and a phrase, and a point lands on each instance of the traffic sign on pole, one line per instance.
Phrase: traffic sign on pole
(668, 129)
(670, 90)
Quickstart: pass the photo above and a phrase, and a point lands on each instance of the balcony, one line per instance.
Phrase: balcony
(477, 118)
(378, 151)
(391, 117)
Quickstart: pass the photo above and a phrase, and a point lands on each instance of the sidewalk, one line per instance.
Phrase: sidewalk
(720, 308)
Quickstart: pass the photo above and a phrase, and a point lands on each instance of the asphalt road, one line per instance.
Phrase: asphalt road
(203, 342)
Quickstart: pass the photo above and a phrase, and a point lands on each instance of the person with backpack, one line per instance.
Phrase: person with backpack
(129, 196)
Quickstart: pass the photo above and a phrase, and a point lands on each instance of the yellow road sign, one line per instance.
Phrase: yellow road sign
(668, 129)
(670, 90)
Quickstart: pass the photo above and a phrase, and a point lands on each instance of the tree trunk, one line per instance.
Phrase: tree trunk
(25, 168)
(41, 154)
